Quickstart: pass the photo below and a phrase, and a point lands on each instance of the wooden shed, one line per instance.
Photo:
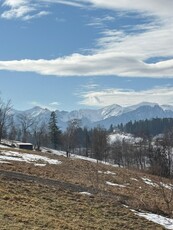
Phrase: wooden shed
(27, 146)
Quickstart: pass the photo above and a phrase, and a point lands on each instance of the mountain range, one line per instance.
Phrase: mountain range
(113, 114)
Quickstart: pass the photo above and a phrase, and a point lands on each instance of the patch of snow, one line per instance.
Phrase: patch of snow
(113, 184)
(170, 186)
(53, 151)
(110, 173)
(41, 165)
(10, 158)
(74, 156)
(134, 179)
(4, 146)
(86, 193)
(4, 162)
(123, 136)
(25, 157)
(161, 220)
(107, 172)
(149, 182)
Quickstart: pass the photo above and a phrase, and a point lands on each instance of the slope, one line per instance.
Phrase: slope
(101, 190)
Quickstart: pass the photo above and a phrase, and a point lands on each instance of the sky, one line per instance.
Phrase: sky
(76, 54)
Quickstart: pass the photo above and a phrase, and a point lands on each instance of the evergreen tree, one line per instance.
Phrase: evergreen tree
(55, 133)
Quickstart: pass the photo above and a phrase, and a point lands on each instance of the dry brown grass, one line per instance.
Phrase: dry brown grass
(31, 206)
(136, 194)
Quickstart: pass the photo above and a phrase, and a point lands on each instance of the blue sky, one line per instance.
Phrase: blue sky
(72, 54)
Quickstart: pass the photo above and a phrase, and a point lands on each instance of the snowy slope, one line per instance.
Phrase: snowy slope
(123, 136)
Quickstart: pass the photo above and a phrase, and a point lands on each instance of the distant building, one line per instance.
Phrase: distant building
(27, 146)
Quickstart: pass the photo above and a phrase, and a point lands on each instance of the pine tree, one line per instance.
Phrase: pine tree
(55, 133)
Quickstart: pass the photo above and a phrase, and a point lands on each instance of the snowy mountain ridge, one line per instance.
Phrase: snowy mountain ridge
(113, 114)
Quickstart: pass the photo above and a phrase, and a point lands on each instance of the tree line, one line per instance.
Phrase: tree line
(147, 127)
(148, 154)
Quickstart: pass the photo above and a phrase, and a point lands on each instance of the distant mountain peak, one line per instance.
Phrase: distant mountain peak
(112, 114)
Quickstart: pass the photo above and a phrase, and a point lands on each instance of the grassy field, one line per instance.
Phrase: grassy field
(32, 205)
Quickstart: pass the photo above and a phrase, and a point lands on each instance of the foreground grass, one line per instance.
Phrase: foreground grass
(136, 193)
(26, 205)
(32, 206)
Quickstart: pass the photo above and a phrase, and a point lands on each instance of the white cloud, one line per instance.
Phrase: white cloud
(161, 8)
(16, 8)
(22, 9)
(118, 52)
(109, 63)
(51, 106)
(65, 2)
(15, 3)
(100, 22)
(154, 7)
(38, 15)
(90, 86)
(17, 12)
(124, 97)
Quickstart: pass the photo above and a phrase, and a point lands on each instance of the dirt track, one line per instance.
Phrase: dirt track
(44, 181)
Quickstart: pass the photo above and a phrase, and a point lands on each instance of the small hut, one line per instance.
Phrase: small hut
(27, 146)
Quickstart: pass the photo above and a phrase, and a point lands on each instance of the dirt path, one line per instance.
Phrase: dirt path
(44, 181)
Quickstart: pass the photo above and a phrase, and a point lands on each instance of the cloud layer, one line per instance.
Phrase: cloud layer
(93, 65)
(107, 97)
(118, 52)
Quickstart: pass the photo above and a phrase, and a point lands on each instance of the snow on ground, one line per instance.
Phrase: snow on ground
(110, 173)
(63, 153)
(56, 152)
(149, 182)
(4, 162)
(107, 172)
(41, 165)
(86, 193)
(168, 186)
(75, 156)
(164, 221)
(133, 179)
(123, 136)
(113, 184)
(4, 146)
(6, 156)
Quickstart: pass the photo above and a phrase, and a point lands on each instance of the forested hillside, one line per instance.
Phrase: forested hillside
(147, 127)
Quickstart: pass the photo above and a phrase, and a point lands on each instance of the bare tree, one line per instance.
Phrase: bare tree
(87, 141)
(39, 131)
(99, 143)
(70, 139)
(5, 109)
(116, 153)
(26, 122)
(12, 134)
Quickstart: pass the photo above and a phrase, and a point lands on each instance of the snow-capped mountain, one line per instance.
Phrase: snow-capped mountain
(139, 113)
(114, 114)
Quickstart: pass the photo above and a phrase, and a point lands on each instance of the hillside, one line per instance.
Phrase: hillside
(46, 190)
